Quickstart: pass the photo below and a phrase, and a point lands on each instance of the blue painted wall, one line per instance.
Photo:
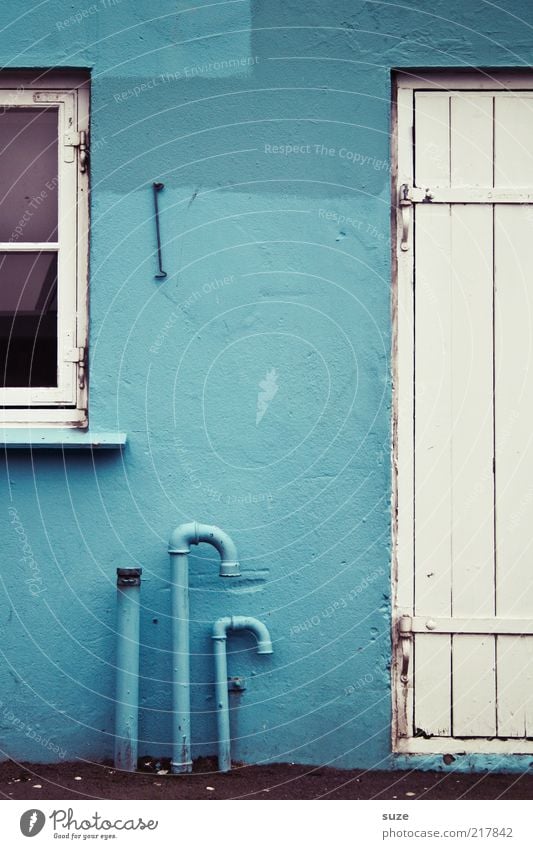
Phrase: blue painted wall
(269, 123)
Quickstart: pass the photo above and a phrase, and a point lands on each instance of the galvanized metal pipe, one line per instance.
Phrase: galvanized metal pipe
(127, 665)
(181, 539)
(219, 636)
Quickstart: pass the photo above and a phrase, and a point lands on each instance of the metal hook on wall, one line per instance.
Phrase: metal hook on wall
(157, 187)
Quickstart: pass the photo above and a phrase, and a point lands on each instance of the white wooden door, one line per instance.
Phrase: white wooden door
(463, 617)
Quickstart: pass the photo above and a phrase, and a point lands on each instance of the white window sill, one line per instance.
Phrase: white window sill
(60, 439)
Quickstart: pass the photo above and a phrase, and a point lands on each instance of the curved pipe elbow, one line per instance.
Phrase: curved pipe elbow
(192, 533)
(182, 538)
(219, 539)
(221, 628)
(260, 631)
(244, 623)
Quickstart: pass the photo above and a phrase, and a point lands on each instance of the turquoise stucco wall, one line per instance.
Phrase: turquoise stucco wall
(269, 123)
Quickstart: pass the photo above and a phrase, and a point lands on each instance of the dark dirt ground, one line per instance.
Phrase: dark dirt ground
(83, 780)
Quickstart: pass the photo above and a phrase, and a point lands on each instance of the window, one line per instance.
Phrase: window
(43, 249)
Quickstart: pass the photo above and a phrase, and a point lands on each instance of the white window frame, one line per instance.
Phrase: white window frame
(404, 85)
(66, 404)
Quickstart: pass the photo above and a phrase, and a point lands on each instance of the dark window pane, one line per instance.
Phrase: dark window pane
(28, 175)
(28, 319)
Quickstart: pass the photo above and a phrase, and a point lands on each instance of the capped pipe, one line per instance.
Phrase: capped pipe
(127, 665)
(220, 636)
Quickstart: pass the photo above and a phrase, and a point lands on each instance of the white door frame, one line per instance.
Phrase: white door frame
(404, 85)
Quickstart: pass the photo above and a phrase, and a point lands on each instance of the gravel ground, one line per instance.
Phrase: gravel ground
(83, 780)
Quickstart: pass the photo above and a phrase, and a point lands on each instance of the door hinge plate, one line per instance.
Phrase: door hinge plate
(409, 625)
(408, 196)
(412, 194)
(75, 355)
(79, 356)
(77, 139)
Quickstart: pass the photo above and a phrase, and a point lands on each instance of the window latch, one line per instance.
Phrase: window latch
(77, 140)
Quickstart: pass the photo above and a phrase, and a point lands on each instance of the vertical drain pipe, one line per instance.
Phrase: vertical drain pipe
(219, 636)
(127, 665)
(179, 546)
(181, 699)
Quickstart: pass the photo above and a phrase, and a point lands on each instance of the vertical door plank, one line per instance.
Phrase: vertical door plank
(472, 488)
(514, 408)
(515, 686)
(514, 459)
(404, 410)
(472, 480)
(471, 133)
(433, 428)
(513, 131)
(432, 685)
(404, 374)
(474, 697)
(432, 139)
(433, 414)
